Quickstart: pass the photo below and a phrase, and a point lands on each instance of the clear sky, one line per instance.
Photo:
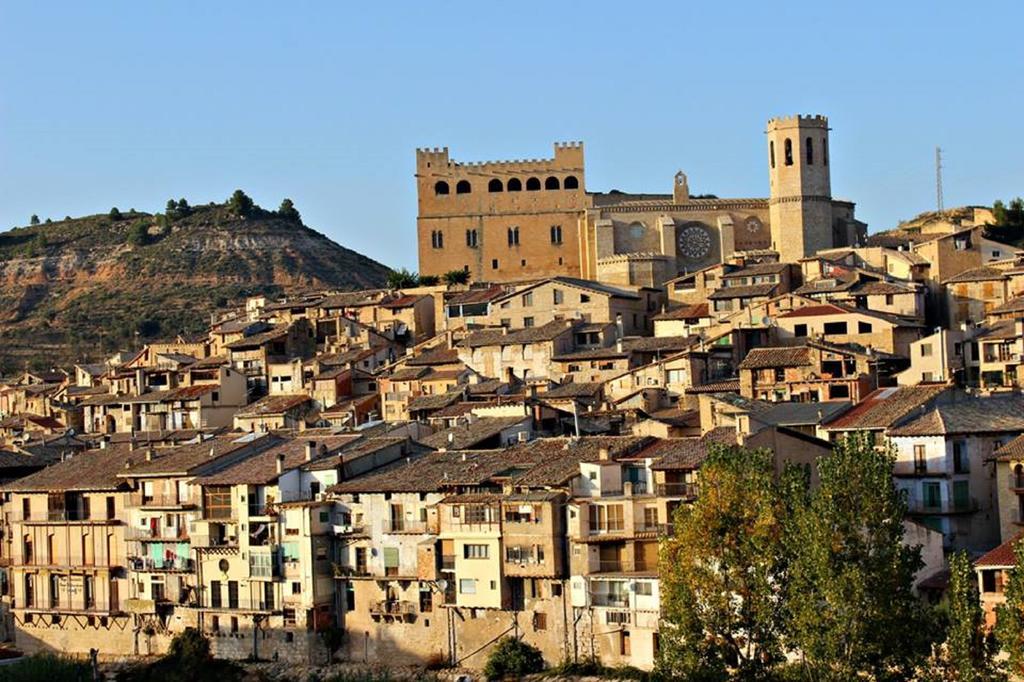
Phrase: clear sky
(132, 103)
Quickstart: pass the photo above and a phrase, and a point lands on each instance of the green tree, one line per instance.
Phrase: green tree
(1010, 615)
(402, 279)
(288, 211)
(240, 204)
(455, 277)
(114, 214)
(851, 611)
(721, 573)
(429, 280)
(34, 220)
(970, 658)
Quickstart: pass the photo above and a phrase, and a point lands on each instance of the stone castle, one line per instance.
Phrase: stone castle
(506, 221)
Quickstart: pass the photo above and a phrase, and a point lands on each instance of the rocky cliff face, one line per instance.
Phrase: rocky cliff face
(80, 288)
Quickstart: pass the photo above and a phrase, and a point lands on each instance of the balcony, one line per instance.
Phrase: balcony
(927, 507)
(624, 566)
(61, 516)
(615, 601)
(447, 562)
(677, 489)
(170, 500)
(265, 509)
(393, 608)
(170, 564)
(178, 533)
(350, 571)
(404, 526)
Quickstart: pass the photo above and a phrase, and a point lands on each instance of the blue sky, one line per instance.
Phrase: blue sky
(131, 103)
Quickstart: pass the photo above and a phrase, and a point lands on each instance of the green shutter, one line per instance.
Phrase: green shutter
(390, 557)
(961, 495)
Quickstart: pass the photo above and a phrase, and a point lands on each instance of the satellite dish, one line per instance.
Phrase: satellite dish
(442, 584)
(766, 321)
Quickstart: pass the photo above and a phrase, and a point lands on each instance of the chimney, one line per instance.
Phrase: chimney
(280, 463)
(310, 449)
(618, 345)
(127, 464)
(103, 442)
(149, 454)
(603, 454)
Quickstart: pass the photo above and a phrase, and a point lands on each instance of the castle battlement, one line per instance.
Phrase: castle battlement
(798, 120)
(568, 156)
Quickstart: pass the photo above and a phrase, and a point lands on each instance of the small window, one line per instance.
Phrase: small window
(771, 152)
(644, 589)
(584, 298)
(527, 299)
(513, 236)
(441, 188)
(467, 586)
(527, 321)
(556, 234)
(864, 328)
(889, 299)
(475, 551)
(571, 182)
(810, 151)
(495, 186)
(551, 183)
(788, 151)
(494, 264)
(437, 239)
(463, 187)
(558, 296)
(533, 185)
(515, 185)
(471, 238)
(926, 350)
(835, 328)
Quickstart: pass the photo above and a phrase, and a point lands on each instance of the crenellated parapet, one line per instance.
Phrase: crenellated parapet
(798, 121)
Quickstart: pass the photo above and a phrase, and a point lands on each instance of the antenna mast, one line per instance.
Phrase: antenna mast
(938, 178)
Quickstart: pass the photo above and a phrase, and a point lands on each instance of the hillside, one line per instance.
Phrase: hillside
(84, 287)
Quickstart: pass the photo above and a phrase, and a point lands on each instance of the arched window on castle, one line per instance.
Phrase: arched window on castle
(556, 234)
(787, 150)
(551, 183)
(437, 239)
(771, 152)
(441, 187)
(495, 186)
(463, 187)
(570, 182)
(810, 151)
(533, 185)
(513, 236)
(471, 240)
(515, 185)
(824, 151)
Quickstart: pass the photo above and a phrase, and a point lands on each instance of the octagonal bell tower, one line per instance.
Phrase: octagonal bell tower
(800, 199)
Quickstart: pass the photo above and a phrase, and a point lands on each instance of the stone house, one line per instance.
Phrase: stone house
(525, 354)
(837, 324)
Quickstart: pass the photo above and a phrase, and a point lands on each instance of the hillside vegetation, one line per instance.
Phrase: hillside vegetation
(80, 288)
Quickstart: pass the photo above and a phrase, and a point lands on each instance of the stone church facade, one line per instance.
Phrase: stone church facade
(506, 221)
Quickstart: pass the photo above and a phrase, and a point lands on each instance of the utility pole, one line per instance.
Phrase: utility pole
(938, 178)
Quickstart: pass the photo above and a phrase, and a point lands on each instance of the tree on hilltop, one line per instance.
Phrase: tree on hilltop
(34, 220)
(114, 214)
(240, 204)
(287, 211)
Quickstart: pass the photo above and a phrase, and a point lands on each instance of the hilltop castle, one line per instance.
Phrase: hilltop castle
(527, 219)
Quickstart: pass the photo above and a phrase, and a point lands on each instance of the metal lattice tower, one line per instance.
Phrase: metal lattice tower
(938, 178)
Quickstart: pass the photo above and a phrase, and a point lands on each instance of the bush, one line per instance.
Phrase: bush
(429, 280)
(513, 657)
(49, 667)
(139, 234)
(34, 220)
(114, 214)
(455, 277)
(189, 646)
